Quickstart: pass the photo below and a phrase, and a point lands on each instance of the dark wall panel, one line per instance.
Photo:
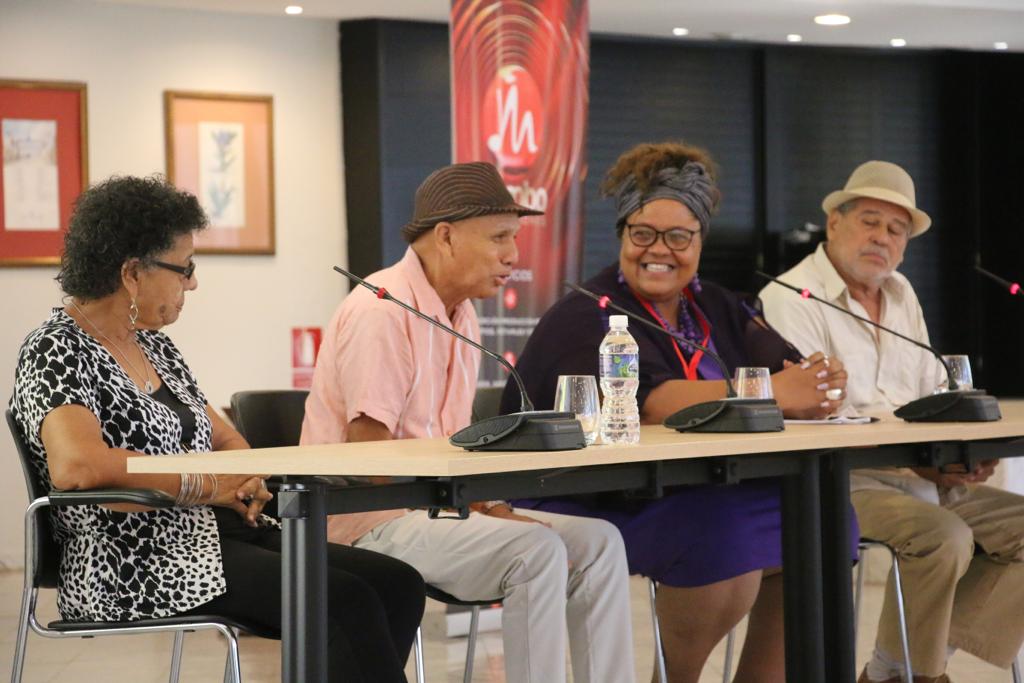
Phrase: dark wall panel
(655, 91)
(826, 111)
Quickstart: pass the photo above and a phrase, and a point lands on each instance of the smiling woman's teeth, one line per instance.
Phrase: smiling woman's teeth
(658, 267)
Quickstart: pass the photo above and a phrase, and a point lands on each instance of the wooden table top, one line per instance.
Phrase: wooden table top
(436, 457)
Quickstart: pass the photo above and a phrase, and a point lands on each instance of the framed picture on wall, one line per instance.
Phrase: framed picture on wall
(45, 167)
(221, 148)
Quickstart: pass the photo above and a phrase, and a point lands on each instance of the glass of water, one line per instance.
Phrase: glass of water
(960, 368)
(753, 383)
(578, 394)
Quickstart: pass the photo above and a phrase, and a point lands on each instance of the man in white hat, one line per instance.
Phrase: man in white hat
(955, 597)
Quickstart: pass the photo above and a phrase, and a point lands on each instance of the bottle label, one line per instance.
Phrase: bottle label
(620, 365)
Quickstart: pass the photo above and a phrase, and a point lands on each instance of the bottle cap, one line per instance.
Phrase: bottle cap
(621, 321)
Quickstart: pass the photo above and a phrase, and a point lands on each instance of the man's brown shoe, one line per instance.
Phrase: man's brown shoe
(864, 678)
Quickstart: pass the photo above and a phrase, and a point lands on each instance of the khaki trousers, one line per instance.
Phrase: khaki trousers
(954, 596)
(569, 576)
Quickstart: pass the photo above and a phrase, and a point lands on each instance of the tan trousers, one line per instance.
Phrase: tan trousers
(569, 576)
(954, 596)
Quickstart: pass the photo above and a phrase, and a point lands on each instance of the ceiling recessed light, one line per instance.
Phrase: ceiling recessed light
(794, 37)
(898, 42)
(832, 19)
(680, 31)
(293, 9)
(1001, 45)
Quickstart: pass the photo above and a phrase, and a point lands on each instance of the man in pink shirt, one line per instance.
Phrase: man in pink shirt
(384, 374)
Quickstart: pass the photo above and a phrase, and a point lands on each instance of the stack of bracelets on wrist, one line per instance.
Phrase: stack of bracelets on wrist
(191, 491)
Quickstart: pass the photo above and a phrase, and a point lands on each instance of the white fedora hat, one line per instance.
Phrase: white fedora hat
(885, 181)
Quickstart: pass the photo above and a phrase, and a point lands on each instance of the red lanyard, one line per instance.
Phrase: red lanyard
(689, 369)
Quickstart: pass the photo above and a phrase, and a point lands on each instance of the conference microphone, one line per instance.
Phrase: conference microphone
(1012, 287)
(955, 405)
(527, 430)
(731, 414)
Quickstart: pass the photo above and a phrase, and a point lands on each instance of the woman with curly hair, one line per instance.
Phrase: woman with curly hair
(98, 383)
(714, 550)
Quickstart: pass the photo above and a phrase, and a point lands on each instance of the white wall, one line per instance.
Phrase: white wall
(235, 329)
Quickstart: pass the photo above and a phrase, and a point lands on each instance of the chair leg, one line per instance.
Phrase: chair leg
(417, 650)
(28, 600)
(659, 654)
(1015, 669)
(730, 645)
(179, 637)
(474, 623)
(908, 672)
(232, 667)
(859, 590)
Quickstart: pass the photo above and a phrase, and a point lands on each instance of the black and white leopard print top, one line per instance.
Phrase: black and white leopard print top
(119, 566)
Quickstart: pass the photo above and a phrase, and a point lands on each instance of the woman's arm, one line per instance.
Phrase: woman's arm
(225, 437)
(79, 459)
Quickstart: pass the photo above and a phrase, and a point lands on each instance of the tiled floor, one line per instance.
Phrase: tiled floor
(144, 659)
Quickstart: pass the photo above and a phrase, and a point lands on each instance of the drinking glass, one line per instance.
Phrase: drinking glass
(578, 394)
(753, 383)
(960, 368)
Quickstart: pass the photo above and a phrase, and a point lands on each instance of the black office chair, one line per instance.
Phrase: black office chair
(42, 564)
(269, 419)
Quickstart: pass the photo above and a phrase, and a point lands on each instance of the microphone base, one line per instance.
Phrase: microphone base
(952, 406)
(728, 416)
(542, 430)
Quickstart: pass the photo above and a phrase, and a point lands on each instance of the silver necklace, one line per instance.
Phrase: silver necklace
(148, 388)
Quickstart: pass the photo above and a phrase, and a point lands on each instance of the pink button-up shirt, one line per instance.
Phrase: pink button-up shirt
(379, 360)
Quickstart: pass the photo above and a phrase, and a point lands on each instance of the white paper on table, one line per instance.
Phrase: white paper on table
(836, 420)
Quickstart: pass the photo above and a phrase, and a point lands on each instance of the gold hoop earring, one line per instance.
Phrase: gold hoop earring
(133, 313)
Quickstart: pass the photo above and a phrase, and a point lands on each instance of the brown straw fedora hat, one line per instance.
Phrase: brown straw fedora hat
(461, 191)
(885, 181)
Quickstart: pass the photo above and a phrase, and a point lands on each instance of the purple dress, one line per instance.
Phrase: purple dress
(694, 535)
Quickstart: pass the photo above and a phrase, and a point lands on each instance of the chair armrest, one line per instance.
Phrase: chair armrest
(148, 497)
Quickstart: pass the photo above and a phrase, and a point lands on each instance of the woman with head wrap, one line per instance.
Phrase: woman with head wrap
(714, 550)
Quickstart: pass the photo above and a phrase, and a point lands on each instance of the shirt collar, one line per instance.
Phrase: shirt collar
(834, 284)
(425, 297)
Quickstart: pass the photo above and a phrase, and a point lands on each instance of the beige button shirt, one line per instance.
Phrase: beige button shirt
(885, 371)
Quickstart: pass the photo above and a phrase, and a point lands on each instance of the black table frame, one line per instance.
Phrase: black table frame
(839, 642)
(815, 536)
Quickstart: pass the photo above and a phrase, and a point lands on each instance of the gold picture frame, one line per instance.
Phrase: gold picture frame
(220, 147)
(45, 145)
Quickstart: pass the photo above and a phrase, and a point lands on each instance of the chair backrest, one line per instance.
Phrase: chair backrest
(46, 551)
(487, 403)
(268, 419)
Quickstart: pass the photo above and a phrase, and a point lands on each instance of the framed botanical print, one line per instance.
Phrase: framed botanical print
(220, 147)
(45, 167)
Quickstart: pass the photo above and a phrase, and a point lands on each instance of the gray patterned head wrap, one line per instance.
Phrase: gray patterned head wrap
(690, 185)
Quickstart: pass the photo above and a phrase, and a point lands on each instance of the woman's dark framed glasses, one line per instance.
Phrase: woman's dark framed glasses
(187, 271)
(676, 239)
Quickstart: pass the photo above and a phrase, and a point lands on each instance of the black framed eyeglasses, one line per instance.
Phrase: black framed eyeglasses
(187, 271)
(676, 239)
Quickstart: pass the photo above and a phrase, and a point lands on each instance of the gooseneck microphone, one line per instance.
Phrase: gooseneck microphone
(527, 430)
(732, 414)
(1013, 288)
(955, 405)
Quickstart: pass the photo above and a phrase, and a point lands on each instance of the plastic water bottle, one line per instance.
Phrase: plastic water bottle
(620, 371)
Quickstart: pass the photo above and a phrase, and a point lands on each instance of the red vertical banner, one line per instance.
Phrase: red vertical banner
(519, 100)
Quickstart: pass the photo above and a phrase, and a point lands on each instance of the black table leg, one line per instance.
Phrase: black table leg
(802, 577)
(303, 583)
(840, 648)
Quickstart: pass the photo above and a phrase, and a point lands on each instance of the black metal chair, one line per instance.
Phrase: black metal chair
(42, 565)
